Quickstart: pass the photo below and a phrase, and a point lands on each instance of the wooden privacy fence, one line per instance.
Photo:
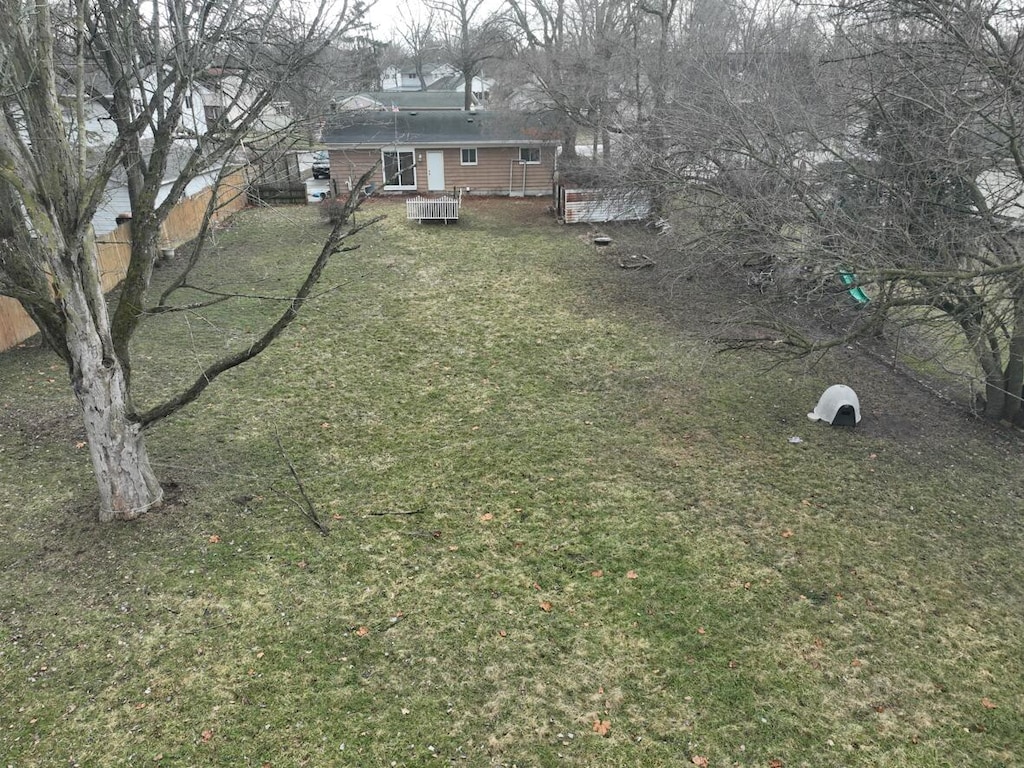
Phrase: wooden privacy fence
(114, 249)
(437, 209)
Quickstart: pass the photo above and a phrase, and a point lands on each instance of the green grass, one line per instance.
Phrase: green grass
(549, 506)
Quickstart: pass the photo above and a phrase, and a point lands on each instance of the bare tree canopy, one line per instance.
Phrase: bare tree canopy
(470, 35)
(137, 67)
(876, 141)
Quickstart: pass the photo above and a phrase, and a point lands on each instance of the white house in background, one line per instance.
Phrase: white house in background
(404, 78)
(218, 95)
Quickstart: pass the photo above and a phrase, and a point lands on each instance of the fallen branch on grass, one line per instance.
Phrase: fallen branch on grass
(305, 504)
(636, 261)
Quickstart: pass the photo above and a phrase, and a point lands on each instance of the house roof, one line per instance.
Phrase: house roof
(403, 100)
(447, 128)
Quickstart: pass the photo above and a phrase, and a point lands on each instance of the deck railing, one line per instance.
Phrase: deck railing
(433, 209)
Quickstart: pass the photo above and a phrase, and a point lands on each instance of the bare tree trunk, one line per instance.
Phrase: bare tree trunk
(468, 99)
(1015, 363)
(126, 482)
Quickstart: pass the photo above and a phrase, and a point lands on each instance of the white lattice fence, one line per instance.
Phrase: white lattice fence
(436, 209)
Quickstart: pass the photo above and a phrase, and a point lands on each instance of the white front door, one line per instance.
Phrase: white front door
(435, 171)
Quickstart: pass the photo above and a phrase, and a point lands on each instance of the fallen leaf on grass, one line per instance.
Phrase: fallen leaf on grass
(701, 631)
(80, 444)
(786, 534)
(206, 735)
(775, 764)
(363, 631)
(486, 516)
(546, 606)
(987, 703)
(597, 574)
(215, 539)
(700, 761)
(602, 727)
(632, 575)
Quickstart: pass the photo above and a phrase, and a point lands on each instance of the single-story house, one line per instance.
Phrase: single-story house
(476, 152)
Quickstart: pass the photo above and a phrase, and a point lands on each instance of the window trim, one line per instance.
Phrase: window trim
(531, 150)
(383, 167)
(462, 155)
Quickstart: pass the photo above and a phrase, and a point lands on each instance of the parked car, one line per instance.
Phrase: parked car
(321, 166)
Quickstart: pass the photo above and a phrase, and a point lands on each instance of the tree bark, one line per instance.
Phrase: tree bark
(126, 481)
(1015, 363)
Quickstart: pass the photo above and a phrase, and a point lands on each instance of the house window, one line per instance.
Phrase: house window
(399, 168)
(469, 156)
(529, 155)
(214, 114)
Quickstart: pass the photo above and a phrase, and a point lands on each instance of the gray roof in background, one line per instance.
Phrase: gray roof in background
(409, 99)
(440, 128)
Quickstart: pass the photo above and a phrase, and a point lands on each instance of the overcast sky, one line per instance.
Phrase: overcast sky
(387, 14)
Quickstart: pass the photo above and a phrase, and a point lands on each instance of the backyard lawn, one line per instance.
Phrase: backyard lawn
(565, 529)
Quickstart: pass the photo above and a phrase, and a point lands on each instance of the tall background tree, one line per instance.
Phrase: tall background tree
(415, 34)
(574, 59)
(149, 59)
(470, 34)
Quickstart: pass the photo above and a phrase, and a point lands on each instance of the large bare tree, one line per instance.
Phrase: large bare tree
(416, 35)
(878, 141)
(575, 60)
(150, 59)
(470, 34)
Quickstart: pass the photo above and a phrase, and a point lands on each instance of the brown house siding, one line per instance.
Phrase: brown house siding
(496, 173)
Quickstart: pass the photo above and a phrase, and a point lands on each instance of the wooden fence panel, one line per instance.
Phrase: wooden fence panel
(114, 250)
(15, 324)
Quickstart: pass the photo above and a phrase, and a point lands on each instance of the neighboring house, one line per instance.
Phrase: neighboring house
(403, 101)
(492, 153)
(482, 86)
(405, 78)
(218, 95)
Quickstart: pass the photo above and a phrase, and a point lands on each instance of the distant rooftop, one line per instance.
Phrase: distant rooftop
(402, 100)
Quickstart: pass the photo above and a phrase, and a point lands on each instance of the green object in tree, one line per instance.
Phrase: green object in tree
(849, 279)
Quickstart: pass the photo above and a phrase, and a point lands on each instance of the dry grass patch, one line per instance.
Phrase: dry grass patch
(563, 531)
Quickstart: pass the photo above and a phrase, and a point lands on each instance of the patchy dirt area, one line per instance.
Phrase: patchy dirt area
(724, 305)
